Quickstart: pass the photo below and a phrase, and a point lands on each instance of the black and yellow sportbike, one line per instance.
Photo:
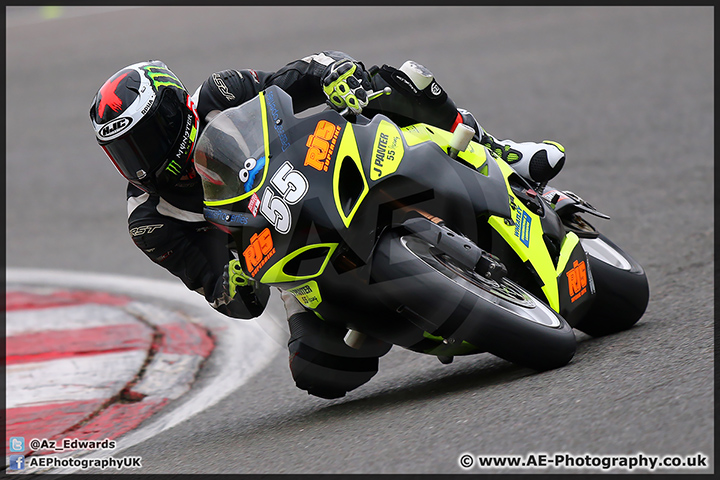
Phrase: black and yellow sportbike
(400, 235)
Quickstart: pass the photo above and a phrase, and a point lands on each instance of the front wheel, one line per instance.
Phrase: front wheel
(498, 316)
(622, 291)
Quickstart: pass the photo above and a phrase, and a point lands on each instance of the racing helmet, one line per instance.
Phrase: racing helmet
(147, 124)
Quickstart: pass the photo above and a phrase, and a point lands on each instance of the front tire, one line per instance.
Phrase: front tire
(622, 290)
(498, 316)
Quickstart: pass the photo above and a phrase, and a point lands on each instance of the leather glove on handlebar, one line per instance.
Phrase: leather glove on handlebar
(345, 84)
(234, 279)
(235, 293)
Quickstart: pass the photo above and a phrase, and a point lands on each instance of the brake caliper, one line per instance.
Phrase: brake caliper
(490, 267)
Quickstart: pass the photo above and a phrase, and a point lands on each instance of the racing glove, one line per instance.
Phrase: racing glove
(345, 84)
(238, 295)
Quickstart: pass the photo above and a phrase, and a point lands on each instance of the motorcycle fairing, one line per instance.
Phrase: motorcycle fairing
(524, 232)
(338, 237)
(362, 164)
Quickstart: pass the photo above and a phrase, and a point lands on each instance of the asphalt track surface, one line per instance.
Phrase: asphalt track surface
(628, 91)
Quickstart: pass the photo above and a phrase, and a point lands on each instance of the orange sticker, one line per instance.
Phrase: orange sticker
(577, 280)
(259, 252)
(321, 145)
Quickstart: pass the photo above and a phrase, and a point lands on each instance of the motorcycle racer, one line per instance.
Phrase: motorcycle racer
(147, 123)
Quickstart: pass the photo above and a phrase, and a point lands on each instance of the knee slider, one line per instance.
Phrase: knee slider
(321, 362)
(324, 337)
(326, 375)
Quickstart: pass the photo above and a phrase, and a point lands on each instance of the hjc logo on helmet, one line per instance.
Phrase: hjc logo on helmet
(115, 127)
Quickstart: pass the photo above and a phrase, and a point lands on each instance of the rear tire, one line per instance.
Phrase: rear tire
(622, 290)
(500, 317)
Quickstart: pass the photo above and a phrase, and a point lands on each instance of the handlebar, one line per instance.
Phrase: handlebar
(371, 96)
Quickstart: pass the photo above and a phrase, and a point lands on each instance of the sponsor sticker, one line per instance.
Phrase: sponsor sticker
(259, 251)
(254, 204)
(577, 280)
(522, 226)
(321, 145)
(277, 120)
(388, 151)
(308, 294)
(550, 195)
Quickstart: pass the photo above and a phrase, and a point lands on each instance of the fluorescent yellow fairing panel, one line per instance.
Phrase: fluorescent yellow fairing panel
(419, 133)
(526, 237)
(277, 274)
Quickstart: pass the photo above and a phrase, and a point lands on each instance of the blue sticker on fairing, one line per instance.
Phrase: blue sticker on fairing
(522, 226)
(253, 173)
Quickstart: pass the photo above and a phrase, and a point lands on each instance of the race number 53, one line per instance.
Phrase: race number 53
(292, 186)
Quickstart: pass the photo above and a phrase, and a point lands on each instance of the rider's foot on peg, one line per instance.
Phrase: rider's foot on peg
(536, 162)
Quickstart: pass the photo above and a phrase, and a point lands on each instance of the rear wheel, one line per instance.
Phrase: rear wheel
(494, 314)
(622, 290)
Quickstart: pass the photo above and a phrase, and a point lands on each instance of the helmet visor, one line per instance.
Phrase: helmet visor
(142, 153)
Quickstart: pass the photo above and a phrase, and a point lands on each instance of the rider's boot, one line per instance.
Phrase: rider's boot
(535, 162)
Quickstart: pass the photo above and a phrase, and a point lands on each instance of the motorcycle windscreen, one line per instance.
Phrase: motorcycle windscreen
(230, 153)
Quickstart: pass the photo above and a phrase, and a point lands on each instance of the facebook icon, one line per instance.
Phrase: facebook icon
(17, 462)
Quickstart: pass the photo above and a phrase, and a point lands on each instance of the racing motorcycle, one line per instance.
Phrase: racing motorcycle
(414, 236)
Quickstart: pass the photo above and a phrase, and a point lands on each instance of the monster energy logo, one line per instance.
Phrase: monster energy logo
(173, 168)
(161, 76)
